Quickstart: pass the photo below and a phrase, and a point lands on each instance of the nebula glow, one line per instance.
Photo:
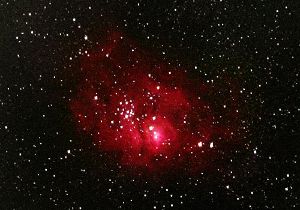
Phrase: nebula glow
(153, 114)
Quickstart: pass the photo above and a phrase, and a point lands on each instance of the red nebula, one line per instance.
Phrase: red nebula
(153, 114)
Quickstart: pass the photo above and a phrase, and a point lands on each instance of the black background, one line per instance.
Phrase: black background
(257, 42)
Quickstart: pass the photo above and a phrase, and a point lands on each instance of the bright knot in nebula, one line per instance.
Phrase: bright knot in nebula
(150, 113)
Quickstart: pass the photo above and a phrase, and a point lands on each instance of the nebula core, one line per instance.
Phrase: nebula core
(151, 113)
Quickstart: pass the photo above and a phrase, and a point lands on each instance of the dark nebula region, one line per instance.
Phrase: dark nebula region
(153, 114)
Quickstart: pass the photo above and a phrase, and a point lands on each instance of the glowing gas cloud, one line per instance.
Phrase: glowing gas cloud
(151, 113)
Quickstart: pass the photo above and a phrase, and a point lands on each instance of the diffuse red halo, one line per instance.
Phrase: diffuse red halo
(150, 112)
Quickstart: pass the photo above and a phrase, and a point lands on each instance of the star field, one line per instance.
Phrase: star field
(149, 104)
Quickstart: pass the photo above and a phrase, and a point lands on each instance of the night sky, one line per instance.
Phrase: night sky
(149, 104)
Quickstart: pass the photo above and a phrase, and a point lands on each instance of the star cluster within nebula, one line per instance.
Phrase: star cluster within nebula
(149, 112)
